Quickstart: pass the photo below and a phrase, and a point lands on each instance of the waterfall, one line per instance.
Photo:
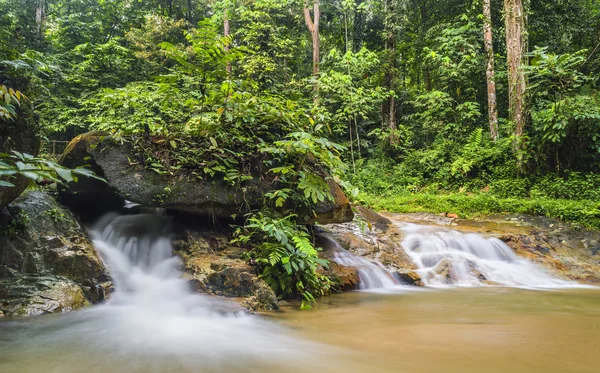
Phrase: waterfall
(446, 257)
(154, 322)
(371, 275)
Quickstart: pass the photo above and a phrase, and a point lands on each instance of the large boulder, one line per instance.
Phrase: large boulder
(129, 180)
(19, 134)
(215, 267)
(47, 261)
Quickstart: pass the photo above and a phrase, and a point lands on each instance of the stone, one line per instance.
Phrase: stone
(374, 219)
(217, 270)
(343, 278)
(47, 261)
(129, 180)
(408, 278)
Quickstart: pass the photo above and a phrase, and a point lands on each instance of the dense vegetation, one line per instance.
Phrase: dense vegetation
(430, 112)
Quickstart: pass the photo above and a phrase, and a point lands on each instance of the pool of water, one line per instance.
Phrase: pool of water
(450, 330)
(459, 330)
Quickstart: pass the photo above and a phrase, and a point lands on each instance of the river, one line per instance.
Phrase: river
(459, 330)
(154, 323)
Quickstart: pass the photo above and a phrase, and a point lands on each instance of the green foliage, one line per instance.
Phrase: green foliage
(17, 224)
(584, 212)
(56, 215)
(37, 169)
(285, 255)
(566, 109)
(8, 99)
(349, 89)
(194, 103)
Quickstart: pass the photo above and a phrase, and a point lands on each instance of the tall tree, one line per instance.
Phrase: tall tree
(514, 15)
(227, 34)
(490, 73)
(313, 26)
(357, 38)
(390, 28)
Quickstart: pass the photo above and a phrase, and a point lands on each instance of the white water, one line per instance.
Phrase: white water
(473, 260)
(154, 322)
(371, 275)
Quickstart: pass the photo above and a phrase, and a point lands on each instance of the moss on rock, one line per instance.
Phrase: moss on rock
(48, 263)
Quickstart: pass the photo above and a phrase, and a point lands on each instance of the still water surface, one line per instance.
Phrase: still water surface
(460, 330)
(451, 330)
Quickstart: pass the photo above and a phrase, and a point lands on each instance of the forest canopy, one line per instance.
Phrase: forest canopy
(464, 106)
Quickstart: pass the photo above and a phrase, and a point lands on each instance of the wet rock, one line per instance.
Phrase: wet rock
(557, 256)
(35, 295)
(563, 249)
(47, 261)
(408, 278)
(379, 246)
(446, 270)
(374, 219)
(19, 134)
(216, 269)
(129, 180)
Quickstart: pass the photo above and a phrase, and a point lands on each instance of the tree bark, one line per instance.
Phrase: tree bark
(313, 26)
(227, 33)
(490, 73)
(389, 109)
(358, 28)
(40, 17)
(514, 15)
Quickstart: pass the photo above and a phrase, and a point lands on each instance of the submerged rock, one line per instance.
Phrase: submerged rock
(214, 267)
(129, 180)
(47, 261)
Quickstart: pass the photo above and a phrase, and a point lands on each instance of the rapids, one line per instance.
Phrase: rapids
(471, 259)
(371, 275)
(152, 323)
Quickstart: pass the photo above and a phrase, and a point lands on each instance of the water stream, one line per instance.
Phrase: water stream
(447, 257)
(372, 275)
(153, 322)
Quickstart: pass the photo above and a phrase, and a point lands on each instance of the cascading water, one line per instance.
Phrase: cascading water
(153, 322)
(446, 257)
(371, 275)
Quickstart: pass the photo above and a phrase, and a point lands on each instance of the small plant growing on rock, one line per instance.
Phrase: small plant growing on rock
(56, 215)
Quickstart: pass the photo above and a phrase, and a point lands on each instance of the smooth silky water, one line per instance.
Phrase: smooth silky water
(154, 323)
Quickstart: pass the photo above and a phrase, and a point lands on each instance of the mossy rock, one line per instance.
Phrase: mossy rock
(46, 255)
(128, 179)
(215, 270)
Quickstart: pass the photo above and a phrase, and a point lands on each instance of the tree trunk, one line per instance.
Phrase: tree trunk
(389, 110)
(40, 17)
(189, 11)
(313, 27)
(515, 51)
(227, 33)
(490, 73)
(358, 28)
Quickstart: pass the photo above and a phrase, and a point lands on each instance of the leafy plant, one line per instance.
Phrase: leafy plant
(37, 169)
(285, 255)
(8, 99)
